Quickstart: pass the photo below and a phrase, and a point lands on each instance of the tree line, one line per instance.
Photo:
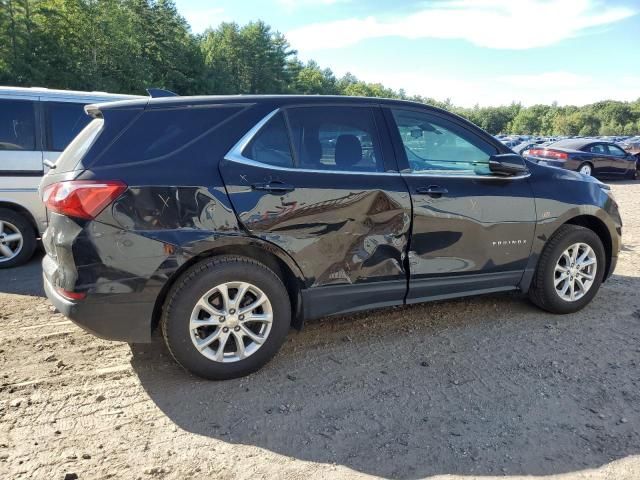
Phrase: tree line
(124, 46)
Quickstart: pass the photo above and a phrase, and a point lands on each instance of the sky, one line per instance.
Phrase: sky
(486, 52)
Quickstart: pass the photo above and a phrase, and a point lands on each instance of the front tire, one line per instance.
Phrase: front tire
(226, 317)
(17, 239)
(570, 270)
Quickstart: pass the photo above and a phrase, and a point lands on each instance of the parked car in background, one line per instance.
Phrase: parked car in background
(224, 221)
(36, 124)
(588, 156)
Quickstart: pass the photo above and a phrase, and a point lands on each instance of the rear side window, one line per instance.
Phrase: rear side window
(157, 134)
(64, 121)
(271, 144)
(598, 148)
(17, 125)
(336, 138)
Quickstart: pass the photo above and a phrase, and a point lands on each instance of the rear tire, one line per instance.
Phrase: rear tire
(556, 270)
(208, 323)
(17, 239)
(586, 169)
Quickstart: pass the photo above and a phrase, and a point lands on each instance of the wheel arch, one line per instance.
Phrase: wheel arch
(596, 225)
(16, 207)
(258, 250)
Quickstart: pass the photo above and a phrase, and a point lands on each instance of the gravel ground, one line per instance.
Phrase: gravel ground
(478, 387)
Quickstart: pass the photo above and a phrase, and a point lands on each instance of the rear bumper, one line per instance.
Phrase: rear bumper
(100, 315)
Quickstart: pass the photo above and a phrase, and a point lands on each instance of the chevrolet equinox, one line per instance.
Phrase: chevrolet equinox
(224, 221)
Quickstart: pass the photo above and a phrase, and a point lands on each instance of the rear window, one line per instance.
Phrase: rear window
(79, 146)
(64, 121)
(17, 125)
(158, 134)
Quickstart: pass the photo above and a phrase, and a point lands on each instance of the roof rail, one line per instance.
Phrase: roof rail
(160, 92)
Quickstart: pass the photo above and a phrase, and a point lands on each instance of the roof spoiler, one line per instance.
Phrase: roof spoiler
(160, 92)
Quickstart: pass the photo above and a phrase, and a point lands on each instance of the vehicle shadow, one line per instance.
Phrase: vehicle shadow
(24, 280)
(481, 386)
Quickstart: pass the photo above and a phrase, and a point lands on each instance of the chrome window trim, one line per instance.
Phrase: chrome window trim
(235, 155)
(474, 177)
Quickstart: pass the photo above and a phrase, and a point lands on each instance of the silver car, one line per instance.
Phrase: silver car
(36, 124)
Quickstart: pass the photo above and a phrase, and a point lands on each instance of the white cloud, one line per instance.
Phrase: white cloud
(545, 80)
(499, 24)
(293, 4)
(201, 19)
(566, 88)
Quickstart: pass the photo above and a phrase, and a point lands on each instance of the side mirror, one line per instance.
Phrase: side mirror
(507, 164)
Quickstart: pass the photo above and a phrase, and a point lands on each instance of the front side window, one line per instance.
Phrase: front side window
(271, 144)
(433, 148)
(17, 125)
(616, 151)
(335, 138)
(64, 122)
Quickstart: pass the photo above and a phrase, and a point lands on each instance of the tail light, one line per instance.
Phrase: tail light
(548, 153)
(69, 295)
(82, 198)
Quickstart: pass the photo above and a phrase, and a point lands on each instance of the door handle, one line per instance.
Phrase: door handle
(432, 190)
(273, 187)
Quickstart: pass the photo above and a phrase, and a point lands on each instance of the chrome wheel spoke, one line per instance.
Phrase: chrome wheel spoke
(255, 304)
(242, 290)
(219, 355)
(6, 251)
(205, 342)
(224, 295)
(12, 237)
(207, 322)
(204, 304)
(240, 351)
(253, 336)
(258, 317)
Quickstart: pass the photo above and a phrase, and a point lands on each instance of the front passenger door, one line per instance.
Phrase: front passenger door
(621, 163)
(472, 231)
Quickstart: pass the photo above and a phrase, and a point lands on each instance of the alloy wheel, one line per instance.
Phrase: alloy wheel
(231, 322)
(575, 272)
(11, 241)
(585, 170)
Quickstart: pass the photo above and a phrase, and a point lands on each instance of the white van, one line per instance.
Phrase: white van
(36, 124)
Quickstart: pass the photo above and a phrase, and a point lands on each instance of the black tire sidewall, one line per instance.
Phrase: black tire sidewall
(28, 237)
(195, 283)
(583, 235)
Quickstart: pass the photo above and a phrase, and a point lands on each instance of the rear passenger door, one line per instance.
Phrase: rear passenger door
(599, 156)
(320, 183)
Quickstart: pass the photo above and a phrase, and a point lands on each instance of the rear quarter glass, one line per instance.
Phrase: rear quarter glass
(75, 151)
(162, 134)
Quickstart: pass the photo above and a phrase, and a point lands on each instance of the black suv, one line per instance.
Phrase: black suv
(224, 221)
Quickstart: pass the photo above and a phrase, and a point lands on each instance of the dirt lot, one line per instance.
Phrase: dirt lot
(479, 387)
